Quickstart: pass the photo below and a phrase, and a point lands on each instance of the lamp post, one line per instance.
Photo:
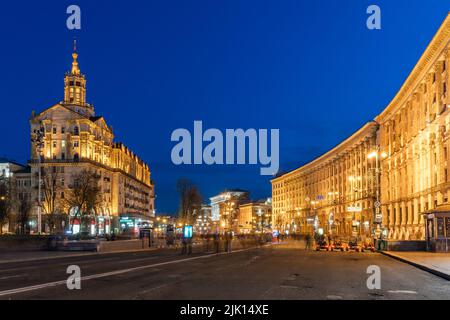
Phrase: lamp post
(38, 140)
(377, 155)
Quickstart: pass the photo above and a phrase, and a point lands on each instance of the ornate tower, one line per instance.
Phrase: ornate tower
(75, 88)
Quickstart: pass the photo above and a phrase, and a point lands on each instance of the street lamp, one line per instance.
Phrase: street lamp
(38, 140)
(376, 154)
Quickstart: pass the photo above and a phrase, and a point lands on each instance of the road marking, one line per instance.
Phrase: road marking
(331, 297)
(9, 277)
(112, 273)
(403, 291)
(288, 287)
(151, 289)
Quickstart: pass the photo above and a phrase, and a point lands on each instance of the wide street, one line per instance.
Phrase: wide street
(279, 271)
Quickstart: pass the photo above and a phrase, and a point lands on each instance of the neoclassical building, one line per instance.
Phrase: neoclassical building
(334, 194)
(401, 159)
(74, 139)
(414, 132)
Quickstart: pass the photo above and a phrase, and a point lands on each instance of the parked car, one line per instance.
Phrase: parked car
(353, 245)
(322, 245)
(339, 245)
(368, 246)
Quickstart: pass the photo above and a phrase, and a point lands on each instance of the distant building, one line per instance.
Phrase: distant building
(9, 167)
(161, 222)
(203, 223)
(19, 178)
(255, 216)
(225, 209)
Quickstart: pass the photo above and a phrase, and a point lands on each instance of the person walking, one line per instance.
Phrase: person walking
(308, 242)
(228, 239)
(216, 243)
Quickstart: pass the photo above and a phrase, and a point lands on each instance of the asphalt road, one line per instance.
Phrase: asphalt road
(282, 271)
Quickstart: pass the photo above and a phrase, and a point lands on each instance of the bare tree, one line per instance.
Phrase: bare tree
(6, 200)
(84, 195)
(190, 200)
(50, 190)
(24, 206)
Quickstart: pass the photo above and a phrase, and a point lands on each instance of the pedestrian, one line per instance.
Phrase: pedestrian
(216, 243)
(184, 248)
(308, 242)
(189, 246)
(229, 239)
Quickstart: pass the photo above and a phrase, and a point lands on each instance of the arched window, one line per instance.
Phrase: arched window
(76, 157)
(76, 131)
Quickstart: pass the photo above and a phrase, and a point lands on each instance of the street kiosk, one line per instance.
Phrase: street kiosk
(437, 229)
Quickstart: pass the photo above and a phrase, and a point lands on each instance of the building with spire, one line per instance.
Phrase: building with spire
(72, 139)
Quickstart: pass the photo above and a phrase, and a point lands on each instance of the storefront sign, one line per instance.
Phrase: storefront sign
(354, 209)
(378, 218)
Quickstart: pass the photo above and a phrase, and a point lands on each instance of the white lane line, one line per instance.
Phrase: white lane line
(112, 273)
(9, 277)
(403, 291)
(332, 297)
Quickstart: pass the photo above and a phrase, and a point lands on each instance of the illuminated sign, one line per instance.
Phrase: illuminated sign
(187, 231)
(354, 209)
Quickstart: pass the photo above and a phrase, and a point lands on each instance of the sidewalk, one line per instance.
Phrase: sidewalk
(435, 263)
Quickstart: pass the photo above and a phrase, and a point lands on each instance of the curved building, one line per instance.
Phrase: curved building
(386, 175)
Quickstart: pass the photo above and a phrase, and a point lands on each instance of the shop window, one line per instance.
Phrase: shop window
(440, 227)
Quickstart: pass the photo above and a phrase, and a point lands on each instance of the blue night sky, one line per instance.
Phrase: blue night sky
(310, 68)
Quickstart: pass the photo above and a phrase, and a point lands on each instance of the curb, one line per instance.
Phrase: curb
(417, 265)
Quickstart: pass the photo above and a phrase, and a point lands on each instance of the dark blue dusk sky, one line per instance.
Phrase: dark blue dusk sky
(310, 68)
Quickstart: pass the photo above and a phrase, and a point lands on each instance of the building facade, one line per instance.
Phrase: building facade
(333, 194)
(255, 217)
(389, 173)
(225, 210)
(73, 139)
(203, 223)
(414, 132)
(17, 180)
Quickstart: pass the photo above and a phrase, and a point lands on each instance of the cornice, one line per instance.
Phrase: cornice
(433, 51)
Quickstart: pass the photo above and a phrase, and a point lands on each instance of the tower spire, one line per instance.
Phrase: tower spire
(75, 67)
(75, 83)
